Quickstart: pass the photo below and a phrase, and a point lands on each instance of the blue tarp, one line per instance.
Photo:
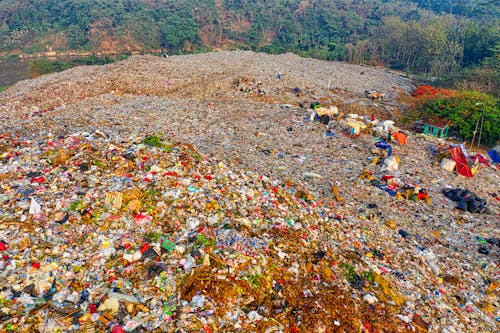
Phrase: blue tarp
(495, 154)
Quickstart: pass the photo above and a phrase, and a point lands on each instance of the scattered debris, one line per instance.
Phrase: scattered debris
(133, 229)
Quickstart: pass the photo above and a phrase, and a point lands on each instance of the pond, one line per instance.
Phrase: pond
(13, 70)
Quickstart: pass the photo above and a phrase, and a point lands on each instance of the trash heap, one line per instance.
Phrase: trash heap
(143, 235)
(105, 230)
(383, 170)
(249, 85)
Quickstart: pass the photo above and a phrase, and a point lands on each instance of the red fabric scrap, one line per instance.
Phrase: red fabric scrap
(462, 166)
(38, 180)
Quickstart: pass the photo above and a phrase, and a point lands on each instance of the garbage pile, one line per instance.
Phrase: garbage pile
(109, 230)
(397, 188)
(146, 235)
(323, 114)
(249, 85)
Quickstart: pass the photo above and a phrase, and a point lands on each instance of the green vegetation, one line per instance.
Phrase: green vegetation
(153, 236)
(153, 140)
(471, 8)
(202, 240)
(463, 54)
(358, 280)
(454, 42)
(464, 110)
(96, 60)
(156, 140)
(3, 88)
(76, 205)
(43, 66)
(10, 57)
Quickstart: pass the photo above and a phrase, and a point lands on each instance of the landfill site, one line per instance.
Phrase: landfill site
(238, 192)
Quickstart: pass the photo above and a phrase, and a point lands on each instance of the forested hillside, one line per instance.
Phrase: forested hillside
(459, 38)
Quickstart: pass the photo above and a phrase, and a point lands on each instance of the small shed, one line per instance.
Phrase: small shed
(436, 127)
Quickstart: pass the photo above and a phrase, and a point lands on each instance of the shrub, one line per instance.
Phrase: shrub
(41, 67)
(464, 110)
(431, 91)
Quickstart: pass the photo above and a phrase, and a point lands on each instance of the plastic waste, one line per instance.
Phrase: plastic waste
(35, 208)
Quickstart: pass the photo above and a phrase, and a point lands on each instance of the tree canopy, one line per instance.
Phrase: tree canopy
(450, 40)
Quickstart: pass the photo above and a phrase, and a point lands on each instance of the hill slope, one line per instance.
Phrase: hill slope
(398, 34)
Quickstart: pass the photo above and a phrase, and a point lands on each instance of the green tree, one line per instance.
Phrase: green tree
(77, 39)
(443, 53)
(464, 110)
(478, 42)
